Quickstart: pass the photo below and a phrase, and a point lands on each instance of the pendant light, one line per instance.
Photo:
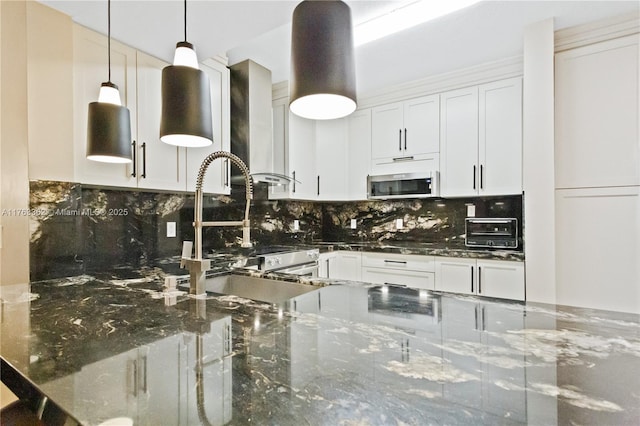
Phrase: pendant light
(322, 82)
(186, 99)
(109, 123)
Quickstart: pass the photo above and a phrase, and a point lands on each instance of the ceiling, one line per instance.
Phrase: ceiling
(261, 30)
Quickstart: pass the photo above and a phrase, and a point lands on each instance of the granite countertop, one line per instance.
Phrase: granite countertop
(344, 353)
(426, 249)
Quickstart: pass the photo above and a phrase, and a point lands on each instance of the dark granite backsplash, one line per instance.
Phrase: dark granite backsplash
(77, 229)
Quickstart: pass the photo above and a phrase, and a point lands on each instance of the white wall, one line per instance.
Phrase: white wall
(538, 162)
(14, 155)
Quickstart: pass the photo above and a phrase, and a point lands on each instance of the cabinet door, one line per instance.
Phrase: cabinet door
(501, 278)
(280, 122)
(358, 154)
(219, 172)
(456, 275)
(421, 132)
(598, 247)
(302, 134)
(158, 164)
(386, 131)
(500, 138)
(90, 71)
(331, 159)
(597, 140)
(459, 142)
(413, 279)
(346, 266)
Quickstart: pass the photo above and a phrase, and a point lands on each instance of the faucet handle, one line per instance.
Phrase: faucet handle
(187, 248)
(246, 238)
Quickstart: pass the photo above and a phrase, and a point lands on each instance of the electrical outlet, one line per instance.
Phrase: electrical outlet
(296, 225)
(354, 223)
(171, 229)
(399, 224)
(471, 210)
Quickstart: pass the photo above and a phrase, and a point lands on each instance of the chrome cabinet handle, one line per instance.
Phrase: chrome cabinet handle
(144, 160)
(410, 157)
(133, 173)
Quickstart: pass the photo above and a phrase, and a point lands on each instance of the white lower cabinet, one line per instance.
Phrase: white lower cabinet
(341, 265)
(397, 269)
(472, 324)
(598, 247)
(491, 278)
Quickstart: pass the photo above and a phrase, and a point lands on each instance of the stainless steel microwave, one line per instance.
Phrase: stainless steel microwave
(403, 185)
(491, 232)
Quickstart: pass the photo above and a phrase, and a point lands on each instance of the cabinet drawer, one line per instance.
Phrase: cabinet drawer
(399, 261)
(413, 279)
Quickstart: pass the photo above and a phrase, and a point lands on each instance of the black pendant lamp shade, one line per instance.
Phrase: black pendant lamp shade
(109, 132)
(186, 99)
(323, 81)
(109, 123)
(186, 107)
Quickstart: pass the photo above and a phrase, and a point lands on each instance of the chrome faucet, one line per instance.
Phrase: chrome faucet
(199, 266)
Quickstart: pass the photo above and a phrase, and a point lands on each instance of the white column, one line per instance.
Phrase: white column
(538, 162)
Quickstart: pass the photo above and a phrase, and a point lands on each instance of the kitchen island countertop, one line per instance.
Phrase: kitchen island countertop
(345, 353)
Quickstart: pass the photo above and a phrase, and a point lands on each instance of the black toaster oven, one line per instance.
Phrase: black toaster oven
(491, 232)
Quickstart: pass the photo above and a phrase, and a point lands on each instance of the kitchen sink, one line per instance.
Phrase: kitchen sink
(255, 288)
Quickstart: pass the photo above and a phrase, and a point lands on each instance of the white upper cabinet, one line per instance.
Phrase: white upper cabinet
(500, 138)
(313, 153)
(387, 122)
(158, 165)
(405, 131)
(597, 140)
(217, 178)
(481, 140)
(358, 153)
(331, 159)
(459, 143)
(421, 130)
(89, 71)
(280, 147)
(302, 162)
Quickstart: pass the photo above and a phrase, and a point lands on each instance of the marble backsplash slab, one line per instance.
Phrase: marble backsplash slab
(78, 229)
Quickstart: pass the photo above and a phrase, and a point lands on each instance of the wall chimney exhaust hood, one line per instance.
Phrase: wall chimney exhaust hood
(251, 122)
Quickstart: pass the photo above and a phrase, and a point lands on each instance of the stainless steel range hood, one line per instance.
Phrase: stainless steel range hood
(251, 121)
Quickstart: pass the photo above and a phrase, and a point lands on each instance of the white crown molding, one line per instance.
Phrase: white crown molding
(594, 32)
(479, 74)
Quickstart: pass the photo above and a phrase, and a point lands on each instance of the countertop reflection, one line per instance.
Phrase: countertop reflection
(347, 353)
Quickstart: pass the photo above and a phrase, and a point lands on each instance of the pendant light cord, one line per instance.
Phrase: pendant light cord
(109, 36)
(185, 20)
